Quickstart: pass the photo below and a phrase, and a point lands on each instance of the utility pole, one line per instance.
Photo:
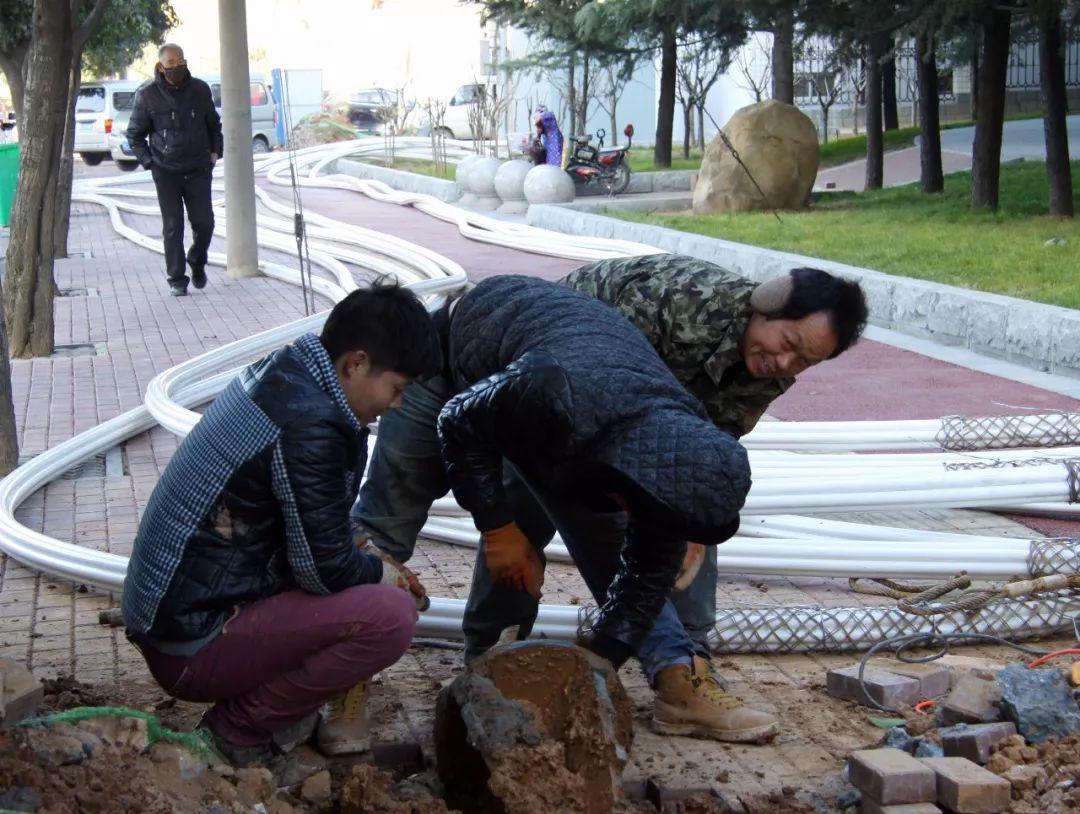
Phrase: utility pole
(242, 250)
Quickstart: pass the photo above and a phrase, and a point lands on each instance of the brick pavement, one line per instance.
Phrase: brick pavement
(52, 625)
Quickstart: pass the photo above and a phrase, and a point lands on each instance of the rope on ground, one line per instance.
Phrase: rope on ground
(925, 600)
(155, 730)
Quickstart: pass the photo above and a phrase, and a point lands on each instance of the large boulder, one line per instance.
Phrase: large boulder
(778, 144)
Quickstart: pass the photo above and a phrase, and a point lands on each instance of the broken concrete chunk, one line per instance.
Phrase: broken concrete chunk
(890, 690)
(974, 700)
(1039, 702)
(1025, 777)
(889, 776)
(20, 693)
(967, 788)
(927, 748)
(900, 738)
(535, 726)
(316, 789)
(974, 741)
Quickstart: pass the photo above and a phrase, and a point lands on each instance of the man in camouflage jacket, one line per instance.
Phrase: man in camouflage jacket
(702, 321)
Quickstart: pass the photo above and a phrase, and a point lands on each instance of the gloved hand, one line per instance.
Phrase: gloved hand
(511, 559)
(396, 574)
(691, 564)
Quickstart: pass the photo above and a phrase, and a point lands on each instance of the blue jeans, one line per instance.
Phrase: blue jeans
(406, 476)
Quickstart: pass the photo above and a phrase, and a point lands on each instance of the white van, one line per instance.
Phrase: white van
(101, 109)
(456, 123)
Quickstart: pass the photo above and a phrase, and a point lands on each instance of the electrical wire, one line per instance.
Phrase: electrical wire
(943, 640)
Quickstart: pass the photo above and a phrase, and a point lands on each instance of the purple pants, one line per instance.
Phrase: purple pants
(280, 659)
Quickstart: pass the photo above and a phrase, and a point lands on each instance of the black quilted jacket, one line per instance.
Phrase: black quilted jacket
(574, 396)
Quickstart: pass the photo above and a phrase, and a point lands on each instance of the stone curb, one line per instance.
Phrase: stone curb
(657, 202)
(1044, 337)
(398, 179)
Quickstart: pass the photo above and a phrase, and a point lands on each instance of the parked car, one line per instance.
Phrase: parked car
(263, 120)
(369, 109)
(459, 110)
(99, 111)
(263, 112)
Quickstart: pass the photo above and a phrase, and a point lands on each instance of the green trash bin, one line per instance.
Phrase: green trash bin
(9, 179)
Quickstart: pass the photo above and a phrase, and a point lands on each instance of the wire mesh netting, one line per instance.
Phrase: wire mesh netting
(1060, 556)
(1056, 429)
(814, 629)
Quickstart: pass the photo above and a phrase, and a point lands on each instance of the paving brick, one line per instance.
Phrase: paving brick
(20, 693)
(934, 679)
(870, 807)
(887, 689)
(889, 776)
(973, 741)
(973, 700)
(966, 787)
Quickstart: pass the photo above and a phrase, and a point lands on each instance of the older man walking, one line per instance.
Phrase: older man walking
(175, 132)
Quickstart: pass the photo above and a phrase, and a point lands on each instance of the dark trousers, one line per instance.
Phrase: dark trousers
(176, 190)
(279, 659)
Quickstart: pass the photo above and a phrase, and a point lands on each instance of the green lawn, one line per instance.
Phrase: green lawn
(421, 166)
(901, 231)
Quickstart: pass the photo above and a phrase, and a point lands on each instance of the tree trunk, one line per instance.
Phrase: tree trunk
(875, 145)
(688, 125)
(975, 76)
(783, 58)
(986, 152)
(13, 64)
(67, 168)
(571, 98)
(9, 436)
(1055, 105)
(824, 125)
(701, 126)
(665, 113)
(888, 94)
(28, 298)
(931, 175)
(583, 102)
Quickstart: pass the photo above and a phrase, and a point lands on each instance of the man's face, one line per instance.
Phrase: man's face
(369, 391)
(172, 58)
(778, 348)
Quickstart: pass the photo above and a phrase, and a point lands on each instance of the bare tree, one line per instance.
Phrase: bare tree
(754, 67)
(699, 68)
(436, 115)
(826, 86)
(609, 90)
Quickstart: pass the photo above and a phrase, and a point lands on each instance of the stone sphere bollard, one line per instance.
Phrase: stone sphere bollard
(461, 177)
(547, 184)
(482, 182)
(510, 186)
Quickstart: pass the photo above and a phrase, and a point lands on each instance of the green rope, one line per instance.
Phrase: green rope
(156, 731)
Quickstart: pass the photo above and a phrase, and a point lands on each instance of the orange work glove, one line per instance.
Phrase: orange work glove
(691, 564)
(512, 559)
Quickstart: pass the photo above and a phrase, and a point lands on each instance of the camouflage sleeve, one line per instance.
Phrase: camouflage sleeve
(739, 417)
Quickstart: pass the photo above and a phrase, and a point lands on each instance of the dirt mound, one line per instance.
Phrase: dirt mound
(369, 791)
(322, 128)
(1045, 778)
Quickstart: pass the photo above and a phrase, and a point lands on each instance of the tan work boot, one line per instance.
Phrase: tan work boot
(344, 727)
(690, 701)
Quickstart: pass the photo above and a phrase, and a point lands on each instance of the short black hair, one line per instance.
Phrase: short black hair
(843, 300)
(388, 323)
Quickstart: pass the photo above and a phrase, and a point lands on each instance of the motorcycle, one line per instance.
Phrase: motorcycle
(609, 169)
